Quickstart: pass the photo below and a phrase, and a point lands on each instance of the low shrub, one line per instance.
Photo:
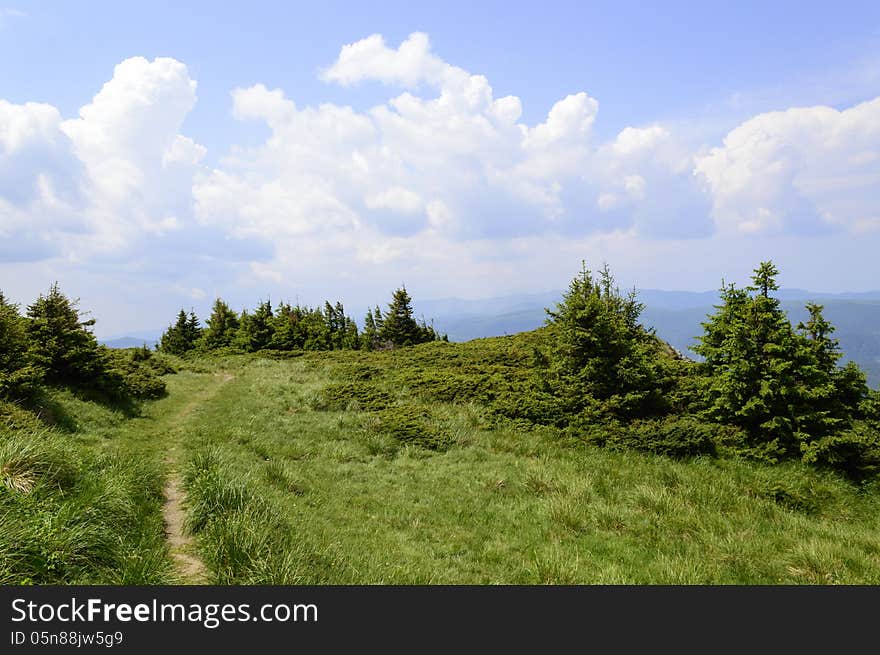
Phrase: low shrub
(356, 396)
(130, 375)
(673, 436)
(413, 425)
(854, 452)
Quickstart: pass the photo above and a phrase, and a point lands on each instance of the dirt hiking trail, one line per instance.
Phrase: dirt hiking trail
(188, 566)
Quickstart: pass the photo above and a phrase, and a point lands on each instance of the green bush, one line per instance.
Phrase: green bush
(673, 436)
(130, 375)
(351, 396)
(854, 452)
(410, 424)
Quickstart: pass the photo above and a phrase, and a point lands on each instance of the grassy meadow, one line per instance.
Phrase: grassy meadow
(397, 467)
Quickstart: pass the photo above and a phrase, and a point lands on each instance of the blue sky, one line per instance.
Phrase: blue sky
(467, 149)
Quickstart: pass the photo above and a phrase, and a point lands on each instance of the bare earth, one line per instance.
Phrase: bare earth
(190, 568)
(182, 545)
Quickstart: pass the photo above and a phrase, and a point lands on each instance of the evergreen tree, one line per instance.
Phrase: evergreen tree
(181, 337)
(334, 319)
(378, 319)
(287, 331)
(344, 332)
(781, 386)
(19, 378)
(399, 328)
(256, 331)
(370, 335)
(61, 343)
(222, 326)
(830, 395)
(244, 335)
(750, 349)
(601, 359)
(316, 330)
(351, 340)
(193, 331)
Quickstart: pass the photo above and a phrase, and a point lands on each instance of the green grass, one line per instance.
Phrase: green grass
(81, 488)
(398, 467)
(306, 491)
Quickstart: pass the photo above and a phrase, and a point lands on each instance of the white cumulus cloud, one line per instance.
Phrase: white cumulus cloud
(806, 169)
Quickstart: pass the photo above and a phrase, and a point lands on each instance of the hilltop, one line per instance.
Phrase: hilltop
(285, 446)
(391, 467)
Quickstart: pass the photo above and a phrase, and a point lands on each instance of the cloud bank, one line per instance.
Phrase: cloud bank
(442, 177)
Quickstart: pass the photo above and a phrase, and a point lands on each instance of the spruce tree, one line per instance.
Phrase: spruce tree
(316, 330)
(19, 378)
(749, 350)
(345, 333)
(831, 395)
(601, 359)
(399, 328)
(287, 329)
(256, 331)
(782, 386)
(262, 325)
(180, 337)
(370, 335)
(192, 331)
(351, 340)
(244, 335)
(61, 343)
(222, 326)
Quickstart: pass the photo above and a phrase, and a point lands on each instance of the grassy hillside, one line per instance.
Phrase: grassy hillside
(396, 467)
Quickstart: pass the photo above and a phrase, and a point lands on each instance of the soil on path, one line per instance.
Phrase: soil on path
(190, 568)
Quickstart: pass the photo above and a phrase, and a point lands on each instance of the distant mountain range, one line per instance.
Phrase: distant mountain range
(134, 339)
(675, 315)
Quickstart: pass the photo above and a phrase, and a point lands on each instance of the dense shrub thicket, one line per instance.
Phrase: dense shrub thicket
(289, 328)
(52, 345)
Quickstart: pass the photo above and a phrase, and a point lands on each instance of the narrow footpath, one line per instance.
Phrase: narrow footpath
(189, 567)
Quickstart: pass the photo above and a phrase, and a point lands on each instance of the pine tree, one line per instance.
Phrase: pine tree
(399, 328)
(750, 354)
(831, 395)
(19, 378)
(337, 324)
(287, 331)
(222, 326)
(262, 325)
(244, 335)
(781, 386)
(61, 343)
(256, 331)
(315, 331)
(370, 335)
(601, 359)
(192, 331)
(180, 337)
(345, 335)
(351, 340)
